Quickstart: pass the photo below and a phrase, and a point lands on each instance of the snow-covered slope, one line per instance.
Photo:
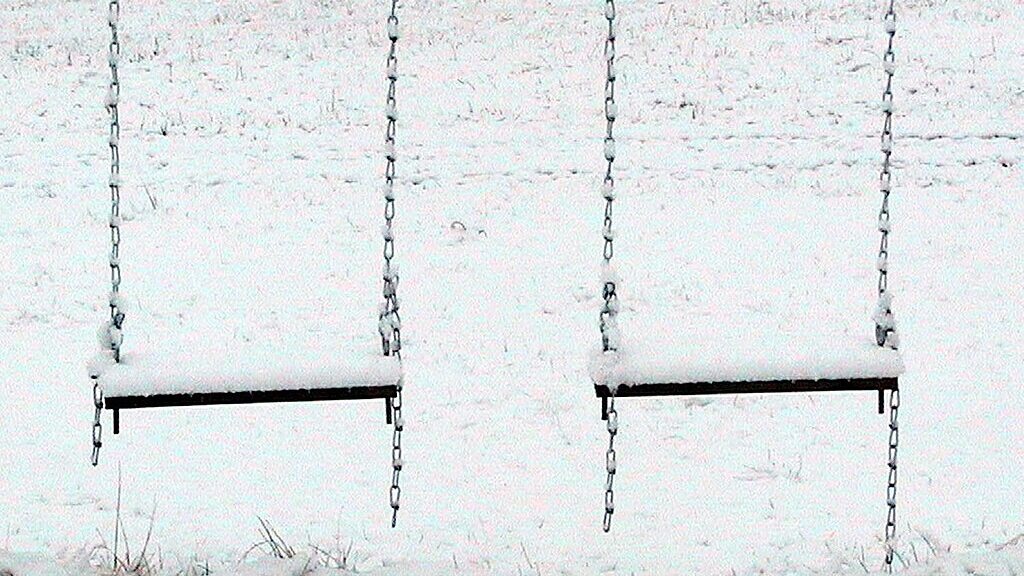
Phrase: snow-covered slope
(252, 156)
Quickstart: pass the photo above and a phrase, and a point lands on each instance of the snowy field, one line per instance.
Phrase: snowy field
(252, 154)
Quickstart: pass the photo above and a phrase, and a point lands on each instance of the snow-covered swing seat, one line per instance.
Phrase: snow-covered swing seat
(220, 377)
(703, 362)
(168, 379)
(738, 362)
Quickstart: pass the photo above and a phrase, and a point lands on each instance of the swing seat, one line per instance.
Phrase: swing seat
(151, 380)
(746, 363)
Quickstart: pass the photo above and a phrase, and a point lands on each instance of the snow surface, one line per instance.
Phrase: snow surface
(747, 158)
(1006, 559)
(247, 369)
(678, 352)
(30, 565)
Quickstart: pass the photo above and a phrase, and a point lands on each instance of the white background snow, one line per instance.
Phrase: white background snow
(748, 155)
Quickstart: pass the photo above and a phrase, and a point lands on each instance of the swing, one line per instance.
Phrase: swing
(122, 382)
(706, 367)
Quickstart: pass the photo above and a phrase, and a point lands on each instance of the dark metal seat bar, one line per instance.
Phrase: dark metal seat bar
(118, 403)
(749, 387)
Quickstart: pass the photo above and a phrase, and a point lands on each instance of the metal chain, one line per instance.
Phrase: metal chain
(390, 329)
(113, 98)
(97, 424)
(396, 456)
(894, 440)
(390, 322)
(885, 326)
(112, 335)
(610, 308)
(611, 463)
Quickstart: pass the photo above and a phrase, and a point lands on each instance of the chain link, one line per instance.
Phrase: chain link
(885, 326)
(894, 440)
(390, 321)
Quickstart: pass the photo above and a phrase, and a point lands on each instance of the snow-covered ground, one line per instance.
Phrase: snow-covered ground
(252, 155)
